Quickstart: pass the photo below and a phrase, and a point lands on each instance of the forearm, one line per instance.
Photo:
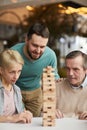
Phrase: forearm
(6, 119)
(13, 119)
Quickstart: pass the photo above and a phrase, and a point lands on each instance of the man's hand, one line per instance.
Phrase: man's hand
(59, 114)
(59, 80)
(83, 116)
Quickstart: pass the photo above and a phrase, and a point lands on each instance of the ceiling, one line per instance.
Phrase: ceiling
(14, 11)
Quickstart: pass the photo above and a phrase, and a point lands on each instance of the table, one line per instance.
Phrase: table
(61, 124)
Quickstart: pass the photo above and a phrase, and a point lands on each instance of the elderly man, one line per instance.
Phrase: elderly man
(72, 91)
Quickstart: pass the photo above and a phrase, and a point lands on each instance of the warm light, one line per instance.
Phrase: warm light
(84, 10)
(71, 10)
(29, 8)
(60, 5)
(67, 11)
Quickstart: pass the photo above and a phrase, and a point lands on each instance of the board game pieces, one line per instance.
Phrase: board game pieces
(49, 96)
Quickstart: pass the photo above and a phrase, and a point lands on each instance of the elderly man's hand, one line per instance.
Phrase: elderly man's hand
(83, 116)
(60, 79)
(59, 114)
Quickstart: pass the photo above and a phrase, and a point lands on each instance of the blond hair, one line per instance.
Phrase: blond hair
(9, 57)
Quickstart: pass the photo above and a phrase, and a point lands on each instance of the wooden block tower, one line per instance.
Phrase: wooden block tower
(49, 97)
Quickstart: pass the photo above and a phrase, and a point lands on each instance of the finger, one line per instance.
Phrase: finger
(83, 116)
(21, 120)
(29, 113)
(59, 114)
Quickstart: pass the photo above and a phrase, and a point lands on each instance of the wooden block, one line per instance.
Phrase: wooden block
(49, 96)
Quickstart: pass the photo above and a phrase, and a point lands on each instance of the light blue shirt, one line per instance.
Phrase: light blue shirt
(17, 99)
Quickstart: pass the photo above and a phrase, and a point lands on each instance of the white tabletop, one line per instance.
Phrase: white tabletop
(61, 124)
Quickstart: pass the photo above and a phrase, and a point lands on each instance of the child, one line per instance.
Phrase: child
(11, 105)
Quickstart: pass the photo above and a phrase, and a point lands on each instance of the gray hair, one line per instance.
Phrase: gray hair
(77, 53)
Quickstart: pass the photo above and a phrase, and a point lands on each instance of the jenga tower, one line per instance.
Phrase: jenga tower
(49, 97)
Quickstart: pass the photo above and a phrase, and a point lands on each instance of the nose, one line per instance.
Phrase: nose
(16, 76)
(38, 49)
(71, 72)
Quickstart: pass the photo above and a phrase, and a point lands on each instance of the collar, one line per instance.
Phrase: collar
(1, 86)
(84, 84)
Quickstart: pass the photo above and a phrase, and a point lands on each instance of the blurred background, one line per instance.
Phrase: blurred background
(66, 20)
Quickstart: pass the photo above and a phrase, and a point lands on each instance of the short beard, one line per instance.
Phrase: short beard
(29, 54)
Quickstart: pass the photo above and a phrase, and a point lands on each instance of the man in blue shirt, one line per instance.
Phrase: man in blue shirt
(37, 55)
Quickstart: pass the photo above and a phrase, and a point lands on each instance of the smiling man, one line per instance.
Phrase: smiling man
(37, 55)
